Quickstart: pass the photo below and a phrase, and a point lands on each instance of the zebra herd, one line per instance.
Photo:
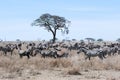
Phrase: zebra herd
(47, 49)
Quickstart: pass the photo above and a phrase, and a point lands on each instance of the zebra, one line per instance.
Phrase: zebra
(92, 53)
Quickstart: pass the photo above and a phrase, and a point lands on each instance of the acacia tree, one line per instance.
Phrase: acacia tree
(100, 40)
(52, 23)
(118, 40)
(90, 39)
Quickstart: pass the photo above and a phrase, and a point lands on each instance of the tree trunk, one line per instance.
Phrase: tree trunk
(54, 36)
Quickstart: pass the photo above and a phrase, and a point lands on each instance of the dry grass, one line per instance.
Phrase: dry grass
(73, 71)
(62, 62)
(14, 67)
(14, 63)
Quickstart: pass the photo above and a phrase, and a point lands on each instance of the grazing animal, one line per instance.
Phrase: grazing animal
(119, 51)
(63, 55)
(92, 53)
(49, 53)
(7, 49)
(24, 52)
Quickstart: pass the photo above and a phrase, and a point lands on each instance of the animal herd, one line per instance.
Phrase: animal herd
(47, 49)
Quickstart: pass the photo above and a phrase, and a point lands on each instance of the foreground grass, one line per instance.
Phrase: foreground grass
(14, 63)
(12, 67)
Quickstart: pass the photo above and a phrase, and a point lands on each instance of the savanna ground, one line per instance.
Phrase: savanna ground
(75, 67)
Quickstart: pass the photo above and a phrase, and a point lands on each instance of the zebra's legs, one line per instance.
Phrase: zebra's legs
(28, 56)
(87, 57)
(21, 55)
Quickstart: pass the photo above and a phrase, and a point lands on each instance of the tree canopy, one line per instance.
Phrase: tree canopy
(118, 40)
(100, 40)
(52, 23)
(90, 39)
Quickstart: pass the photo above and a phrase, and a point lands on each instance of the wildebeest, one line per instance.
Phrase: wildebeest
(27, 52)
(8, 48)
(24, 53)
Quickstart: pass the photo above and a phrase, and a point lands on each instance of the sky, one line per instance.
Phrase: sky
(89, 18)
